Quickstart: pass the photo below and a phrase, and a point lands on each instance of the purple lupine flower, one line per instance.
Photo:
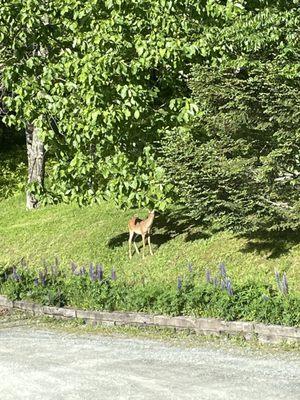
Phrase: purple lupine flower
(179, 283)
(285, 286)
(82, 271)
(16, 276)
(73, 268)
(277, 277)
(36, 281)
(208, 276)
(229, 287)
(222, 270)
(42, 278)
(216, 282)
(99, 272)
(92, 273)
(113, 274)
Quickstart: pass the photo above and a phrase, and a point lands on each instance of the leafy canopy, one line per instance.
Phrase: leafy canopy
(103, 81)
(96, 78)
(238, 166)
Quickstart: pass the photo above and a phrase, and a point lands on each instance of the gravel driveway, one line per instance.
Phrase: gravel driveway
(39, 364)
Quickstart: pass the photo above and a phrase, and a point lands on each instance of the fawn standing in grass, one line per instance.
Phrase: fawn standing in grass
(140, 227)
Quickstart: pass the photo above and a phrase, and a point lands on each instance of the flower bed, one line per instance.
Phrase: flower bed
(212, 296)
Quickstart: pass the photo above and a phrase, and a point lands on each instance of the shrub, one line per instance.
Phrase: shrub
(92, 289)
(236, 166)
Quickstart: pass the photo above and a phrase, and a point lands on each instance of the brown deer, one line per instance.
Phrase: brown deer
(140, 227)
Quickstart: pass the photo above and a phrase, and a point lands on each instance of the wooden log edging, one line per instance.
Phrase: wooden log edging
(205, 326)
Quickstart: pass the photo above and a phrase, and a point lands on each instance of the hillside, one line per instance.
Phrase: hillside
(98, 234)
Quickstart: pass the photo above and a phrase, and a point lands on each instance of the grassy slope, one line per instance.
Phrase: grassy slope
(99, 234)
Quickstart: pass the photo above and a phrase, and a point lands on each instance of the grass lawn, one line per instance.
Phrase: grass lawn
(99, 234)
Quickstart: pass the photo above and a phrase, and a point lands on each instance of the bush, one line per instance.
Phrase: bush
(237, 167)
(93, 290)
(237, 164)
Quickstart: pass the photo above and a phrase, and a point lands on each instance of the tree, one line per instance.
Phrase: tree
(95, 79)
(34, 144)
(237, 166)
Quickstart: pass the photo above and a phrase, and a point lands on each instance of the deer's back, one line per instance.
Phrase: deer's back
(137, 225)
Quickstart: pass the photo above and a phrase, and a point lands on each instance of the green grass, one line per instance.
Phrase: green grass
(99, 234)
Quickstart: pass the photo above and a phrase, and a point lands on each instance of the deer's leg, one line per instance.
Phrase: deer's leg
(143, 237)
(135, 245)
(151, 252)
(129, 243)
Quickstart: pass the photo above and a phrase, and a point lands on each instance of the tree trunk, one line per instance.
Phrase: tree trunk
(36, 163)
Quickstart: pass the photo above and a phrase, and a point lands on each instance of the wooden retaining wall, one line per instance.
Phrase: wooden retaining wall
(206, 326)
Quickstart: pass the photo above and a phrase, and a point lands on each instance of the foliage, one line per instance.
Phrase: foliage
(12, 172)
(103, 81)
(12, 162)
(94, 290)
(97, 78)
(238, 165)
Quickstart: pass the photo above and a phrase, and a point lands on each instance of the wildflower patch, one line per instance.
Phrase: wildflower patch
(94, 287)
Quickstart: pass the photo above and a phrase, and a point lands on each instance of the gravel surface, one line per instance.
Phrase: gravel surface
(40, 364)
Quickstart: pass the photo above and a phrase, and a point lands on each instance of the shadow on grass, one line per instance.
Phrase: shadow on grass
(274, 244)
(117, 241)
(170, 225)
(165, 228)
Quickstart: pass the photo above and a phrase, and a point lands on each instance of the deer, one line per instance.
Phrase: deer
(140, 227)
